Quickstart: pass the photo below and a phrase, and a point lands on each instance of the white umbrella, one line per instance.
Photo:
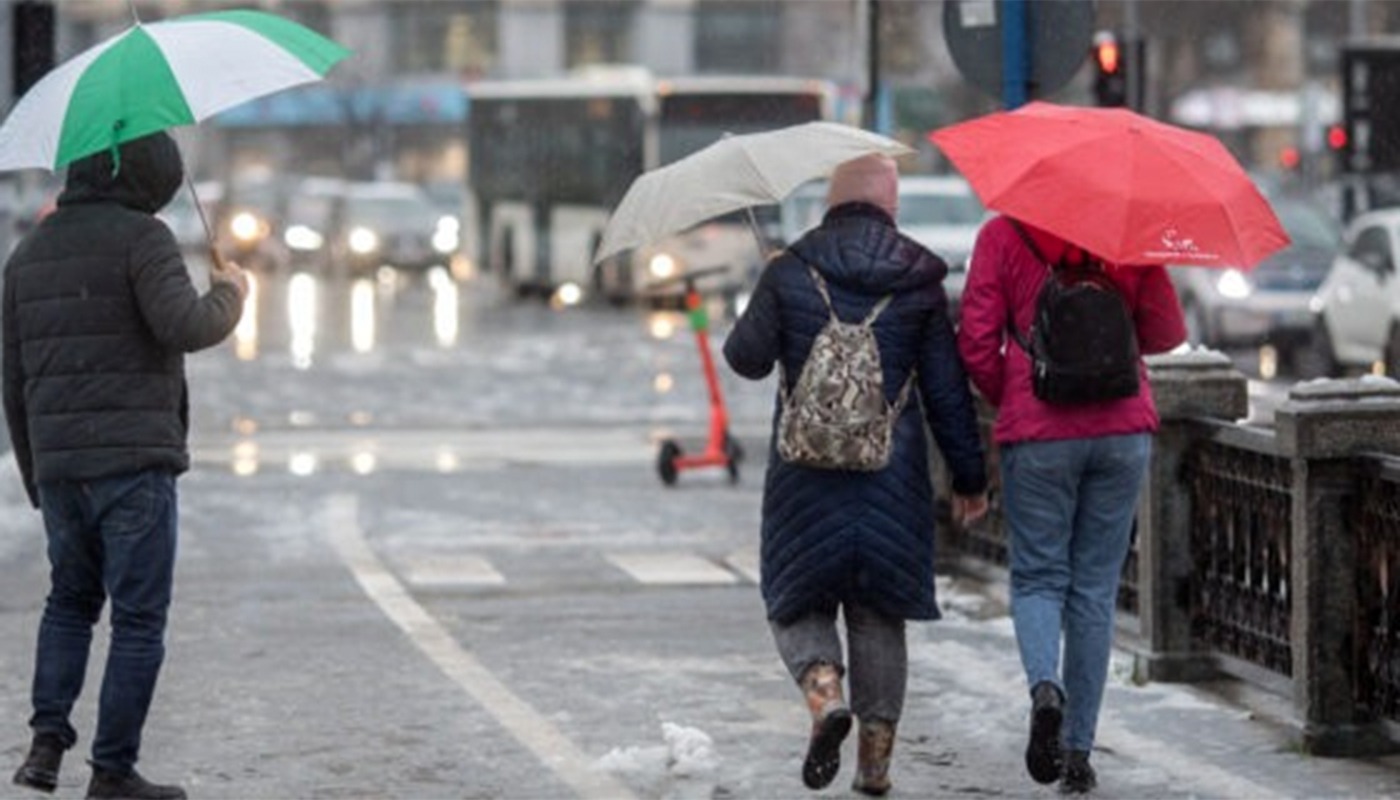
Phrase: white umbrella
(735, 173)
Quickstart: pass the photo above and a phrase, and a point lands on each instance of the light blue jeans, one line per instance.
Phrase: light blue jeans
(1069, 508)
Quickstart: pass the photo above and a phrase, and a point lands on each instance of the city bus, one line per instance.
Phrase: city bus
(550, 158)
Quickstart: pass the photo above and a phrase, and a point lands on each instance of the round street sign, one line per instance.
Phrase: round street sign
(1060, 33)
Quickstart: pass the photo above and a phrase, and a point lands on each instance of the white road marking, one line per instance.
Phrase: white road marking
(671, 569)
(527, 725)
(450, 570)
(745, 562)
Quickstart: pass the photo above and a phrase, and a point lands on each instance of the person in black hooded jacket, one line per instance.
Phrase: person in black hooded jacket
(99, 310)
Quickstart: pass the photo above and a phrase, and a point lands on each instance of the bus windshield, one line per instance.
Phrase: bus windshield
(690, 122)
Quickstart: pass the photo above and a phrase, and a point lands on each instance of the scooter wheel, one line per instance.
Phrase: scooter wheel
(666, 461)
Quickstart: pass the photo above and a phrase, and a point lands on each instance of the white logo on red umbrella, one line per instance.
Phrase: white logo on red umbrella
(1175, 244)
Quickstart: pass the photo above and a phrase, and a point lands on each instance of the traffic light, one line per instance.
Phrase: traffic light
(32, 26)
(1110, 71)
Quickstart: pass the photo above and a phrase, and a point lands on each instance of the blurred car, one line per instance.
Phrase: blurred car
(940, 212)
(1271, 303)
(1358, 306)
(338, 227)
(250, 218)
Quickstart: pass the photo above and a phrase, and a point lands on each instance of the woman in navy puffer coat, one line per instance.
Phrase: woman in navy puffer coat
(860, 542)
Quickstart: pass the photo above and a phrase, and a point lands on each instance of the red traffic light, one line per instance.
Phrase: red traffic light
(1106, 55)
(1337, 137)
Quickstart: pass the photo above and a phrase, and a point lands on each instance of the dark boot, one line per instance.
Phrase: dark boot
(1043, 757)
(40, 767)
(107, 785)
(873, 757)
(1079, 777)
(831, 721)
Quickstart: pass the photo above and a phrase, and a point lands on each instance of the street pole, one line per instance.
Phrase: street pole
(872, 64)
(1134, 55)
(1015, 54)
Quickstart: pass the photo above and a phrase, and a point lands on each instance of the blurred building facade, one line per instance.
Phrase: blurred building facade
(1259, 73)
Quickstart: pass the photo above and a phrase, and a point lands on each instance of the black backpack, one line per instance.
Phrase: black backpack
(1083, 344)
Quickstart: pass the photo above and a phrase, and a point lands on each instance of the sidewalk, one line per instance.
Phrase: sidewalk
(284, 681)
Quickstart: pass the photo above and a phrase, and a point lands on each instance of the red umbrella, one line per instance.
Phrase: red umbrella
(1123, 186)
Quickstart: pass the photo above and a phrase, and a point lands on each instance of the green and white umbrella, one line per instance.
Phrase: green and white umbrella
(157, 76)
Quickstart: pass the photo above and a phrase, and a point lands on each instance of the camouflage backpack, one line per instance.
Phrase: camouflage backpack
(836, 415)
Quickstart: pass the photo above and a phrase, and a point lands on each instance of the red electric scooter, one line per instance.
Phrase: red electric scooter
(721, 450)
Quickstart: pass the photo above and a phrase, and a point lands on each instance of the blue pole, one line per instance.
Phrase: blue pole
(1015, 53)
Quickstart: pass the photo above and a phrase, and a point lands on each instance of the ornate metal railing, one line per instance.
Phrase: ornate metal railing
(1375, 516)
(1241, 510)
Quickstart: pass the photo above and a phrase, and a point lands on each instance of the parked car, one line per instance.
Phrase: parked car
(1271, 303)
(940, 212)
(1358, 305)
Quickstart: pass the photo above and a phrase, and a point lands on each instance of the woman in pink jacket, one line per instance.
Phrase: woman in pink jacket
(1070, 481)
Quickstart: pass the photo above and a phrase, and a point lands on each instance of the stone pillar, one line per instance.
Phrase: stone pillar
(1186, 387)
(1321, 424)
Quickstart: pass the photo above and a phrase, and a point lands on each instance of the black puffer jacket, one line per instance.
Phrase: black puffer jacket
(831, 536)
(99, 311)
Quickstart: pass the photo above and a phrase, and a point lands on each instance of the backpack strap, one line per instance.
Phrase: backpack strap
(822, 290)
(874, 312)
(1026, 239)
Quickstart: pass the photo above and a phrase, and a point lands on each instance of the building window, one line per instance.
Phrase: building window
(455, 37)
(598, 32)
(738, 35)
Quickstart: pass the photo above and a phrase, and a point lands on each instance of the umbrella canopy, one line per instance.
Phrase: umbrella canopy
(157, 76)
(734, 173)
(1123, 186)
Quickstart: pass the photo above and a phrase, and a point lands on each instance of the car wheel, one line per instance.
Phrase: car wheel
(1315, 358)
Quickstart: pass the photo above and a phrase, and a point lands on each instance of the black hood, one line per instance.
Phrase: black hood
(148, 176)
(858, 246)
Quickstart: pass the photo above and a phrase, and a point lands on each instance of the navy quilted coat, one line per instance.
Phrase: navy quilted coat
(831, 536)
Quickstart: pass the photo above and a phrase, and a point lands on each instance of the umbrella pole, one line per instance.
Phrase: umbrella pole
(757, 234)
(218, 260)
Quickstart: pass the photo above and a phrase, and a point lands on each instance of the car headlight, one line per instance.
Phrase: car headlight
(663, 265)
(245, 226)
(363, 241)
(300, 237)
(445, 240)
(1233, 285)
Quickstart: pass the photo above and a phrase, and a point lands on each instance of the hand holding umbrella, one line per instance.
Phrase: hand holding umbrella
(153, 77)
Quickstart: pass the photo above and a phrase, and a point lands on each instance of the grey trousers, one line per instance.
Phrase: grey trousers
(878, 666)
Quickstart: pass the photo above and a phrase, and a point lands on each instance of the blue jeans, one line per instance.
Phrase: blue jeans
(107, 537)
(1069, 508)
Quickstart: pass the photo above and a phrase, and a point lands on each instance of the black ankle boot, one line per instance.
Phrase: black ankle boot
(40, 767)
(1079, 777)
(107, 785)
(1043, 757)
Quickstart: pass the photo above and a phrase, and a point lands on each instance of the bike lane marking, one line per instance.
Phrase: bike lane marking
(530, 728)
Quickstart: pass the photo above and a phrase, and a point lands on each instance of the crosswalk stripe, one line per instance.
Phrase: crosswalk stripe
(671, 569)
(451, 570)
(745, 562)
